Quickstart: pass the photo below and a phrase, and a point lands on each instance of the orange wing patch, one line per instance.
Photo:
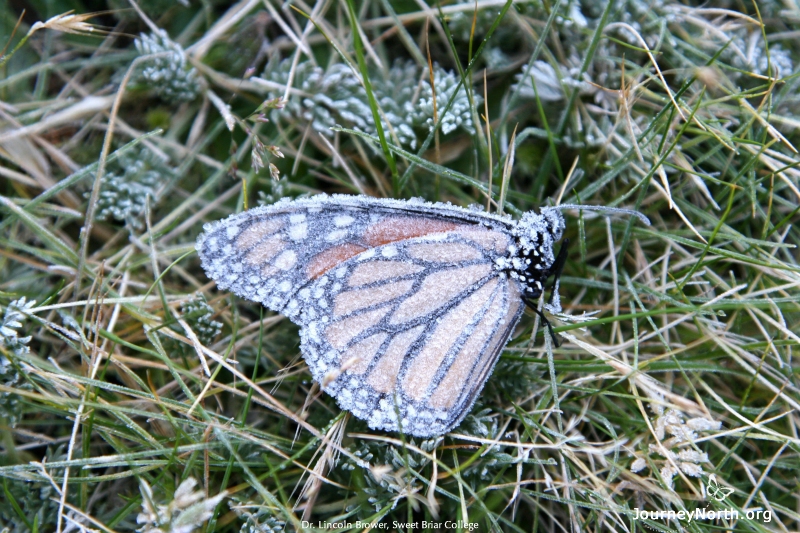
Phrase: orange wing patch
(421, 372)
(463, 364)
(332, 257)
(258, 231)
(342, 332)
(488, 239)
(388, 230)
(393, 229)
(383, 377)
(265, 250)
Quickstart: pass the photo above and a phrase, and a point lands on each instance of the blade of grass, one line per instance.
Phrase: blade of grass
(373, 103)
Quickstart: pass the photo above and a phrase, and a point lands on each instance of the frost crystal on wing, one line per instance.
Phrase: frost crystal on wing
(530, 257)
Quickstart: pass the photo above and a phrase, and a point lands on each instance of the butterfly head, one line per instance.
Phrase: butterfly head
(531, 257)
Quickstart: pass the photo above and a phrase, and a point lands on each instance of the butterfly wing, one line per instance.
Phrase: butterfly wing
(409, 331)
(267, 254)
(401, 306)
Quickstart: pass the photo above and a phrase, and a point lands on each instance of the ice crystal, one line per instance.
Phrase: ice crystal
(199, 315)
(327, 98)
(126, 186)
(575, 16)
(638, 464)
(12, 320)
(76, 523)
(12, 345)
(166, 69)
(266, 254)
(387, 479)
(37, 499)
(258, 519)
(323, 98)
(396, 98)
(483, 425)
(186, 512)
(549, 85)
(671, 430)
(646, 17)
(277, 191)
(480, 424)
(750, 55)
(768, 9)
(446, 87)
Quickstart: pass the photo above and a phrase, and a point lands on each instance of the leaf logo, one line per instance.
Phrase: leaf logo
(714, 490)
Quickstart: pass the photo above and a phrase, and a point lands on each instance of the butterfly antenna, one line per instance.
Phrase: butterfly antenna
(532, 306)
(602, 209)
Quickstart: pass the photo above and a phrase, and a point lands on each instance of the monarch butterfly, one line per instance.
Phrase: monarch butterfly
(404, 305)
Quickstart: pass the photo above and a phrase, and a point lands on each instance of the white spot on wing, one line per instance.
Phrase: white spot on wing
(286, 260)
(342, 221)
(298, 231)
(336, 235)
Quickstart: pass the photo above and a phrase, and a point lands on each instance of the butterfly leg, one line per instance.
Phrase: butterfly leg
(558, 264)
(532, 306)
(554, 302)
(555, 271)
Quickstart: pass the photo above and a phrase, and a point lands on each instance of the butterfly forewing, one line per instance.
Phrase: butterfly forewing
(267, 254)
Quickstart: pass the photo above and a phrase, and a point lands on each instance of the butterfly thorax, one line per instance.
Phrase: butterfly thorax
(530, 258)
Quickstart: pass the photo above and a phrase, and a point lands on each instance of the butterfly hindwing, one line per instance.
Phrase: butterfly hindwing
(411, 328)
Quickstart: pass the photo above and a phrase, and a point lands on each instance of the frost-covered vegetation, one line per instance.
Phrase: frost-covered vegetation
(134, 395)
